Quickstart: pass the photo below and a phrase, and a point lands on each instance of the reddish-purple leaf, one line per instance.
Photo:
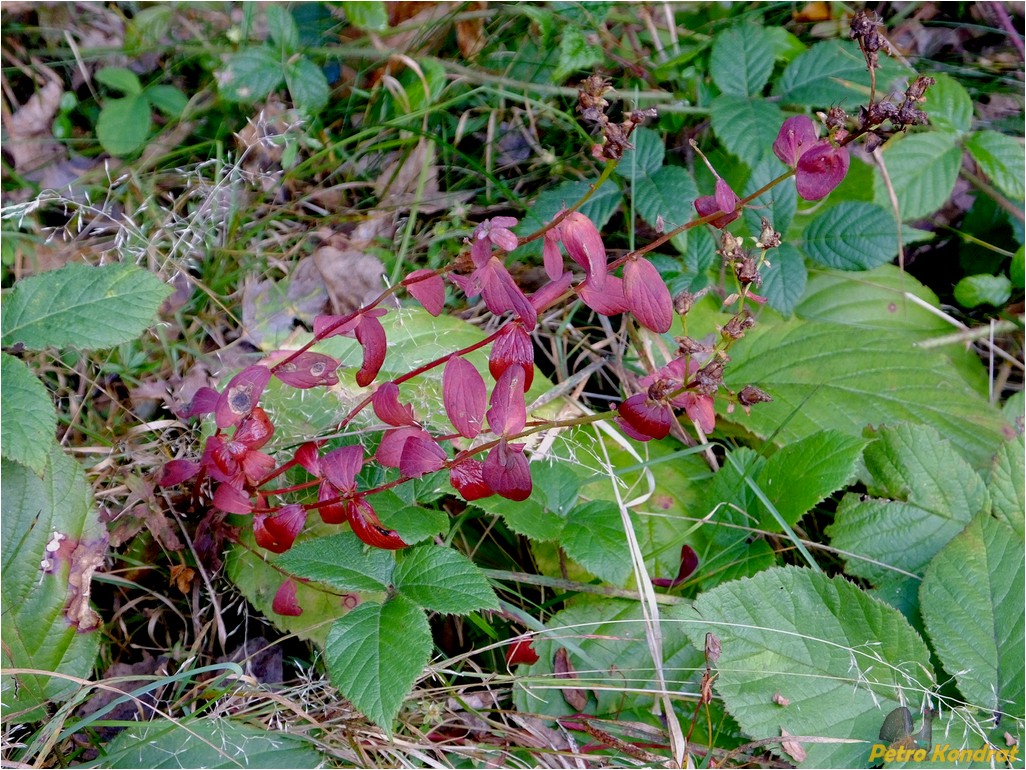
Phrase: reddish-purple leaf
(421, 456)
(496, 230)
(507, 471)
(512, 347)
(221, 459)
(255, 430)
(308, 457)
(584, 245)
(464, 395)
(367, 526)
(277, 533)
(331, 513)
(796, 135)
(340, 467)
(610, 300)
(308, 370)
(552, 257)
(285, 601)
(644, 419)
(501, 293)
(700, 410)
(204, 401)
(688, 564)
(428, 288)
(551, 291)
(176, 471)
(231, 500)
(521, 650)
(327, 326)
(390, 450)
(241, 395)
(388, 409)
(724, 200)
(820, 170)
(508, 412)
(371, 334)
(467, 478)
(647, 296)
(255, 465)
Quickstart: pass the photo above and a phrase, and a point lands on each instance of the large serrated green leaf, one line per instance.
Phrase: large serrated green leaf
(741, 60)
(207, 742)
(747, 127)
(606, 644)
(922, 169)
(307, 85)
(645, 158)
(948, 105)
(251, 74)
(667, 197)
(341, 561)
(443, 580)
(595, 539)
(833, 73)
(124, 125)
(27, 417)
(783, 281)
(825, 375)
(1001, 159)
(37, 631)
(282, 29)
(1006, 484)
(972, 602)
(923, 494)
(599, 208)
(842, 659)
(82, 307)
(852, 236)
(375, 653)
(804, 472)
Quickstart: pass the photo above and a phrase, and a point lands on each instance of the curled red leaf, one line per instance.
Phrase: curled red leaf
(512, 347)
(278, 532)
(725, 200)
(644, 419)
(204, 401)
(390, 450)
(688, 564)
(584, 245)
(367, 526)
(507, 471)
(340, 467)
(508, 412)
(609, 300)
(241, 395)
(820, 170)
(421, 456)
(796, 136)
(308, 458)
(521, 650)
(255, 430)
(371, 335)
(428, 288)
(176, 471)
(387, 407)
(331, 513)
(464, 395)
(285, 601)
(308, 370)
(231, 500)
(467, 478)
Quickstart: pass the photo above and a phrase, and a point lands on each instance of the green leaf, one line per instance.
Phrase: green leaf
(82, 306)
(252, 74)
(124, 125)
(606, 641)
(842, 659)
(307, 85)
(413, 522)
(282, 29)
(370, 15)
(28, 421)
(120, 79)
(1001, 159)
(824, 375)
(575, 53)
(852, 236)
(806, 471)
(783, 282)
(778, 204)
(38, 632)
(556, 485)
(147, 28)
(443, 580)
(1017, 270)
(529, 518)
(948, 105)
(1006, 484)
(168, 99)
(207, 742)
(645, 158)
(923, 494)
(741, 60)
(747, 127)
(972, 601)
(668, 194)
(975, 290)
(833, 73)
(375, 653)
(595, 539)
(922, 169)
(599, 208)
(341, 561)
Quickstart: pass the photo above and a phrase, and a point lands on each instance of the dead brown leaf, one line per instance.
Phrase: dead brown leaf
(351, 275)
(270, 308)
(564, 669)
(470, 32)
(85, 560)
(793, 749)
(30, 141)
(182, 577)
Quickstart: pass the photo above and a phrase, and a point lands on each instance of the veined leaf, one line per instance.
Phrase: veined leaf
(833, 73)
(124, 125)
(595, 539)
(972, 601)
(853, 236)
(783, 281)
(375, 653)
(922, 169)
(841, 658)
(1006, 484)
(974, 290)
(1001, 159)
(645, 158)
(666, 198)
(28, 420)
(341, 561)
(949, 105)
(598, 208)
(120, 79)
(741, 60)
(307, 85)
(443, 580)
(747, 127)
(778, 204)
(282, 29)
(252, 74)
(82, 307)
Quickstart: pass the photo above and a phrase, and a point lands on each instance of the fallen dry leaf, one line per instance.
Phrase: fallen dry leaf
(270, 308)
(351, 275)
(564, 669)
(793, 749)
(182, 577)
(85, 560)
(470, 32)
(30, 141)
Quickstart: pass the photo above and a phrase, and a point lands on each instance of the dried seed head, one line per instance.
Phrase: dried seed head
(687, 346)
(836, 118)
(736, 327)
(709, 378)
(747, 271)
(768, 237)
(683, 302)
(750, 395)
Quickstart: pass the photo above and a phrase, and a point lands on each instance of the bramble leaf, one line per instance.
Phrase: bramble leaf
(28, 421)
(443, 580)
(340, 561)
(741, 60)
